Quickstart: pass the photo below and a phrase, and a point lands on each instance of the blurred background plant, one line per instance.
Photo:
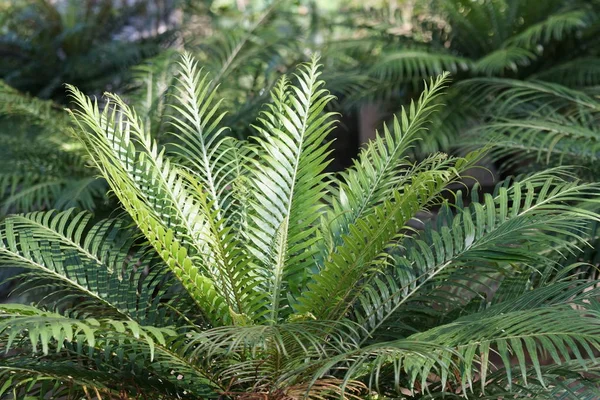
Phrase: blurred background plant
(45, 43)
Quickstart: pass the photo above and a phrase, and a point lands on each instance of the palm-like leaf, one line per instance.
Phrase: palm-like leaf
(42, 166)
(252, 272)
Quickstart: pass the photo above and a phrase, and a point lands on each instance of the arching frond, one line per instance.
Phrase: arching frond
(411, 65)
(76, 263)
(508, 94)
(41, 165)
(106, 344)
(543, 123)
(555, 27)
(562, 141)
(501, 60)
(515, 336)
(578, 74)
(363, 186)
(490, 233)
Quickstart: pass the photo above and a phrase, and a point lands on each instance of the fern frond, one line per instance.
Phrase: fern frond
(339, 282)
(290, 177)
(540, 122)
(157, 197)
(42, 166)
(103, 343)
(501, 60)
(562, 141)
(577, 74)
(508, 94)
(555, 27)
(411, 65)
(210, 154)
(553, 330)
(381, 166)
(80, 263)
(492, 232)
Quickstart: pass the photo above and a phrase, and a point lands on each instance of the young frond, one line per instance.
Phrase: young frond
(290, 179)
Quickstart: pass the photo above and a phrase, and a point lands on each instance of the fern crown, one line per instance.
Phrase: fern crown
(245, 266)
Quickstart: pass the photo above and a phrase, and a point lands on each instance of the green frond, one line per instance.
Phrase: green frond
(363, 221)
(560, 331)
(46, 114)
(77, 263)
(240, 47)
(157, 196)
(276, 350)
(31, 192)
(382, 165)
(544, 141)
(210, 155)
(492, 233)
(555, 27)
(362, 254)
(246, 58)
(509, 94)
(577, 74)
(502, 60)
(82, 193)
(411, 363)
(107, 345)
(569, 381)
(290, 180)
(414, 65)
(152, 89)
(448, 124)
(42, 166)
(34, 380)
(544, 123)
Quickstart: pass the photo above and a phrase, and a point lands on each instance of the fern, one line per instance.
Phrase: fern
(69, 42)
(250, 271)
(42, 166)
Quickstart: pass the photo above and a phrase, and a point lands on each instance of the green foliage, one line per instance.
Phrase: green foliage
(535, 124)
(249, 271)
(44, 44)
(41, 165)
(552, 41)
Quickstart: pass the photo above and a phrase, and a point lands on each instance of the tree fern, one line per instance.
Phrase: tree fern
(249, 271)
